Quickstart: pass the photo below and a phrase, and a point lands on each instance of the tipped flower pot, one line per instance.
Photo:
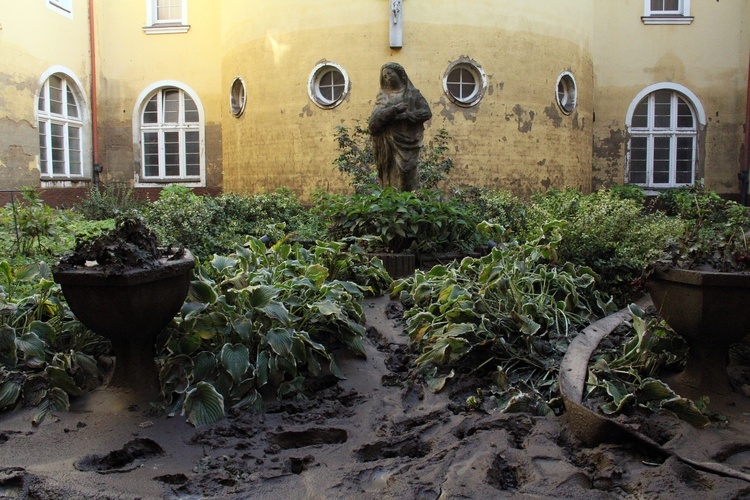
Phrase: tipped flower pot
(130, 309)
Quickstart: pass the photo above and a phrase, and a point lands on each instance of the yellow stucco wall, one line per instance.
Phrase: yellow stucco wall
(709, 57)
(515, 137)
(33, 40)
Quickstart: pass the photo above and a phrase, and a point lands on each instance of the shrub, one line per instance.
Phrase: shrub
(356, 159)
(421, 222)
(107, 201)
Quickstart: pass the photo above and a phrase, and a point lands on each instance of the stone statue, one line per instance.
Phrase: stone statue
(397, 128)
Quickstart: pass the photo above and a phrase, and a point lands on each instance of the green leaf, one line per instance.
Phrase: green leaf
(200, 291)
(236, 359)
(687, 411)
(654, 390)
(262, 361)
(8, 351)
(262, 296)
(436, 383)
(222, 263)
(59, 378)
(277, 311)
(43, 330)
(55, 401)
(9, 394)
(204, 405)
(31, 345)
(280, 340)
(244, 327)
(204, 365)
(28, 272)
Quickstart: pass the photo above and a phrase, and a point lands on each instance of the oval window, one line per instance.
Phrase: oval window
(464, 82)
(566, 92)
(328, 85)
(237, 97)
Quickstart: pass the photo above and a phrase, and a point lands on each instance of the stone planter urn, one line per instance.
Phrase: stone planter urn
(710, 311)
(130, 308)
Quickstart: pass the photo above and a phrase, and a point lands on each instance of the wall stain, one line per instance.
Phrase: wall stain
(524, 126)
(306, 111)
(553, 114)
(542, 162)
(610, 148)
(449, 111)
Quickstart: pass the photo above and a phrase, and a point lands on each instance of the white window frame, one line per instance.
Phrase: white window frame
(673, 131)
(181, 127)
(154, 26)
(569, 99)
(315, 80)
(480, 82)
(45, 119)
(64, 7)
(679, 16)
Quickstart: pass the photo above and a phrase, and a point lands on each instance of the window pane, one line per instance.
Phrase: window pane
(191, 110)
(461, 84)
(640, 115)
(74, 150)
(638, 156)
(672, 5)
(171, 106)
(150, 113)
(657, 4)
(168, 10)
(684, 165)
(55, 95)
(171, 154)
(150, 154)
(192, 154)
(684, 114)
(662, 146)
(58, 149)
(43, 147)
(662, 109)
(72, 106)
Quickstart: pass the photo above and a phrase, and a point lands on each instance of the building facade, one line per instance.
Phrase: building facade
(245, 96)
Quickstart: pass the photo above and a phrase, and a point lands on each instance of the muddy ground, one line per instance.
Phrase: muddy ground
(374, 435)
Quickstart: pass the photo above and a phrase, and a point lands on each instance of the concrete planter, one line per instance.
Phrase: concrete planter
(398, 265)
(710, 311)
(129, 309)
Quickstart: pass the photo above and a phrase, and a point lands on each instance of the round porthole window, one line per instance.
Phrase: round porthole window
(328, 85)
(566, 92)
(464, 82)
(237, 97)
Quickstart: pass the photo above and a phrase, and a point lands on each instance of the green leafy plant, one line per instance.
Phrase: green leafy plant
(623, 373)
(46, 356)
(258, 320)
(356, 159)
(715, 236)
(506, 318)
(420, 222)
(106, 201)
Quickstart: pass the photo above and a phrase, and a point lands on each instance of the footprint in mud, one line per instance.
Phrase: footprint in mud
(502, 475)
(409, 446)
(120, 460)
(13, 482)
(310, 437)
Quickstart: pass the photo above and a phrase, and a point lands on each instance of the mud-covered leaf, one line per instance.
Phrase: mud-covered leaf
(435, 383)
(56, 400)
(204, 405)
(687, 411)
(10, 391)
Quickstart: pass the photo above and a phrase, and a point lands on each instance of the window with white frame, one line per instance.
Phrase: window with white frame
(60, 121)
(666, 12)
(64, 7)
(662, 150)
(464, 82)
(166, 16)
(171, 138)
(566, 92)
(328, 85)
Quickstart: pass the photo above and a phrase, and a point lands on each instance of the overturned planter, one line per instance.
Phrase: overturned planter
(129, 308)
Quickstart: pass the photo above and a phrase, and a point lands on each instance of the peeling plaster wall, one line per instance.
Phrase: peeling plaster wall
(26, 53)
(515, 138)
(709, 57)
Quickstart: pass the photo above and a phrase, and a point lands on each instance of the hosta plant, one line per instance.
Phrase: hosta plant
(262, 320)
(506, 318)
(46, 355)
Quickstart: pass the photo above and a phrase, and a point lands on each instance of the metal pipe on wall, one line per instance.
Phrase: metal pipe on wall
(94, 121)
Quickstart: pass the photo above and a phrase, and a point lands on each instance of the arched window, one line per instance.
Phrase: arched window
(170, 137)
(60, 120)
(663, 123)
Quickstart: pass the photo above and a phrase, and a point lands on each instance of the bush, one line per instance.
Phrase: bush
(107, 201)
(356, 159)
(421, 222)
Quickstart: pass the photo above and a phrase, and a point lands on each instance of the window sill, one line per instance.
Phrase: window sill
(57, 182)
(152, 183)
(667, 19)
(165, 29)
